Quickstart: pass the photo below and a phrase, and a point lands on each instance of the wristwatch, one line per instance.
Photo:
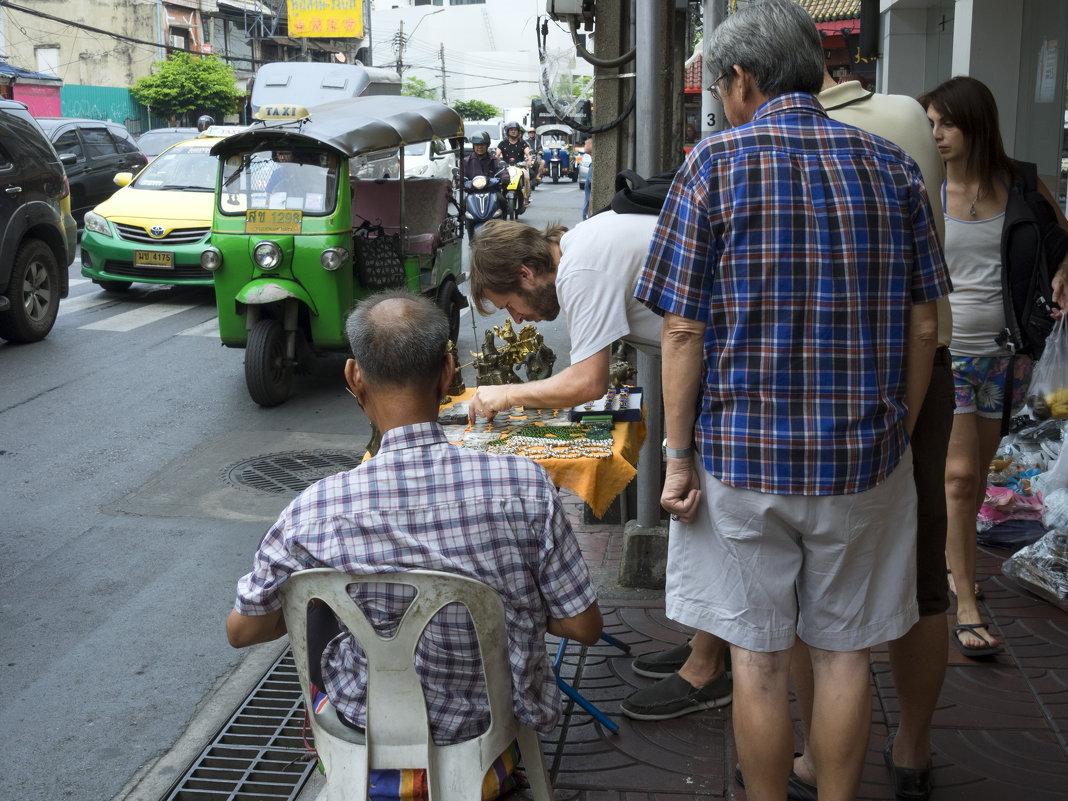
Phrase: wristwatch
(676, 453)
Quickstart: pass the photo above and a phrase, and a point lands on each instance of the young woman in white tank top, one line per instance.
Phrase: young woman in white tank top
(964, 119)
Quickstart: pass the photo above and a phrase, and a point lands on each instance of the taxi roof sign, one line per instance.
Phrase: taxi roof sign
(280, 111)
(219, 131)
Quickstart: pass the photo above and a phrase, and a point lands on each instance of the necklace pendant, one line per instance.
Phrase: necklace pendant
(972, 210)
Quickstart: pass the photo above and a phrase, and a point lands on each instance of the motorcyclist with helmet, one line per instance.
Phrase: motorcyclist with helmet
(534, 142)
(480, 161)
(513, 149)
(204, 121)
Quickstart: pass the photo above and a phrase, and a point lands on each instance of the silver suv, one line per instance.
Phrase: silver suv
(37, 233)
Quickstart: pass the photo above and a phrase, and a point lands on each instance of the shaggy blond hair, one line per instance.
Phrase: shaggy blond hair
(500, 248)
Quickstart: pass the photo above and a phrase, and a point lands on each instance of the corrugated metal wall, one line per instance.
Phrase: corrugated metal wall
(108, 103)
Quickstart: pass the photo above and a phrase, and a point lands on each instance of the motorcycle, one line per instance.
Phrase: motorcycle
(516, 191)
(482, 201)
(558, 152)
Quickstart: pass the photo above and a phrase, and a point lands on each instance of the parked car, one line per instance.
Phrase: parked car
(429, 160)
(584, 169)
(154, 228)
(154, 142)
(38, 236)
(92, 152)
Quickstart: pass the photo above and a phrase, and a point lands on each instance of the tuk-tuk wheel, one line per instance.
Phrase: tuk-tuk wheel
(268, 372)
(450, 302)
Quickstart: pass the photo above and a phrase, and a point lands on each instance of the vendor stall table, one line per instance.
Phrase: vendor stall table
(596, 481)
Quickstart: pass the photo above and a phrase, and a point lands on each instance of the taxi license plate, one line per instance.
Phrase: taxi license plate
(163, 259)
(272, 221)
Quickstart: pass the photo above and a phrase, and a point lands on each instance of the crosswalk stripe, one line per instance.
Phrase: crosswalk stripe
(135, 318)
(81, 302)
(208, 328)
(78, 281)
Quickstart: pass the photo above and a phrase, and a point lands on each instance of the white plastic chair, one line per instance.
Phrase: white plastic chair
(398, 733)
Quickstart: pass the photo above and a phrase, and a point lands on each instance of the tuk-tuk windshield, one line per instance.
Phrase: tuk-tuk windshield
(304, 179)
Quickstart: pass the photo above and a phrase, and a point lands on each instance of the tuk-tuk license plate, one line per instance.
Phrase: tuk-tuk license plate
(272, 221)
(162, 259)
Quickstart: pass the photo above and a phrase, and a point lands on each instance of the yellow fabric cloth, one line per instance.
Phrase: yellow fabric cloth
(596, 481)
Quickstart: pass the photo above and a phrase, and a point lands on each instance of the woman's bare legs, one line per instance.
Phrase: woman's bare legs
(972, 445)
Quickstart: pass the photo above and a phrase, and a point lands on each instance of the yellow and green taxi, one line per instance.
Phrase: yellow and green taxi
(155, 227)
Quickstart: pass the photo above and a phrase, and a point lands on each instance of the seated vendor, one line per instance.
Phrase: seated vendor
(424, 503)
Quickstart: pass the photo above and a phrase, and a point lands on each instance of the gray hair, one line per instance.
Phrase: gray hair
(775, 41)
(403, 346)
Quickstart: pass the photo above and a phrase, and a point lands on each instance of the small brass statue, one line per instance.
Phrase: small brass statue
(496, 365)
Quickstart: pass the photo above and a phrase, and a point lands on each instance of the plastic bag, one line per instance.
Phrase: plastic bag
(1042, 568)
(1048, 396)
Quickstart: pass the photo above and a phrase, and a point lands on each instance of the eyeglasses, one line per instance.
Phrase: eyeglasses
(713, 87)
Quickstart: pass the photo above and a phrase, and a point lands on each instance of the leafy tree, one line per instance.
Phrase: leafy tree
(414, 87)
(475, 109)
(184, 85)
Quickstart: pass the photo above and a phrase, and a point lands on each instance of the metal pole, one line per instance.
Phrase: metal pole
(650, 108)
(712, 119)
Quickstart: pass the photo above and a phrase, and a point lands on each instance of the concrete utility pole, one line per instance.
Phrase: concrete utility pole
(400, 50)
(444, 94)
(651, 68)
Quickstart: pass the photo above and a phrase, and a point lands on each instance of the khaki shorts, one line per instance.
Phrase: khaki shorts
(837, 570)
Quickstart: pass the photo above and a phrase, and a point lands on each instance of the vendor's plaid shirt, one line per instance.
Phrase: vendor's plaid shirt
(802, 242)
(423, 503)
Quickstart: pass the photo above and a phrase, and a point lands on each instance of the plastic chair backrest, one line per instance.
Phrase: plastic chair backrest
(398, 732)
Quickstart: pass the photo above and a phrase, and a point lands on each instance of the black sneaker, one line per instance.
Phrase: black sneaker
(673, 697)
(661, 664)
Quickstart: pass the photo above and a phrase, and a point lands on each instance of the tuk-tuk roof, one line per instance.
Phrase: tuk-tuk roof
(555, 126)
(354, 126)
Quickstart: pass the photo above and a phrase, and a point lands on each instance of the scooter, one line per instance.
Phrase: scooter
(482, 201)
(515, 193)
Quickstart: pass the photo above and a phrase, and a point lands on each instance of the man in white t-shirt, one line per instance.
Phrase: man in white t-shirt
(589, 273)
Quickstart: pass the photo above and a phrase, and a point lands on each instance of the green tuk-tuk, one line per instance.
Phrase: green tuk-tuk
(312, 213)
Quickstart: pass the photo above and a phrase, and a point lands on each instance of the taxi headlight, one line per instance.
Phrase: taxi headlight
(97, 224)
(267, 255)
(333, 258)
(211, 259)
(479, 182)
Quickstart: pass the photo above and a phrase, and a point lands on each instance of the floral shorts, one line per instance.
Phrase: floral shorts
(979, 384)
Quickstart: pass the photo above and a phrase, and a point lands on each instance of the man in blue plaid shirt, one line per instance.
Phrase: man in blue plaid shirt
(422, 502)
(796, 265)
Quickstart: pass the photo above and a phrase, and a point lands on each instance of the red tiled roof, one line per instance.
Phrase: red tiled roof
(831, 10)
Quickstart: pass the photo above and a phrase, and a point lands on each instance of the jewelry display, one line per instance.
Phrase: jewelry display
(624, 404)
(544, 448)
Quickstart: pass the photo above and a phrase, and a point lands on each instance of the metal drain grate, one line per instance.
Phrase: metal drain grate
(260, 753)
(290, 472)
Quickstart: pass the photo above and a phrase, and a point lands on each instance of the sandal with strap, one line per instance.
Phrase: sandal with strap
(982, 650)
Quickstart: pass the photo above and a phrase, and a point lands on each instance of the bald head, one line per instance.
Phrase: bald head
(398, 338)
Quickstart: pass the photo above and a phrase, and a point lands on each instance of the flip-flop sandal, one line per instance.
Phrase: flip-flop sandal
(978, 589)
(982, 650)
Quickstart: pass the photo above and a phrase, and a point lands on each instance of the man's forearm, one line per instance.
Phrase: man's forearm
(682, 348)
(585, 381)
